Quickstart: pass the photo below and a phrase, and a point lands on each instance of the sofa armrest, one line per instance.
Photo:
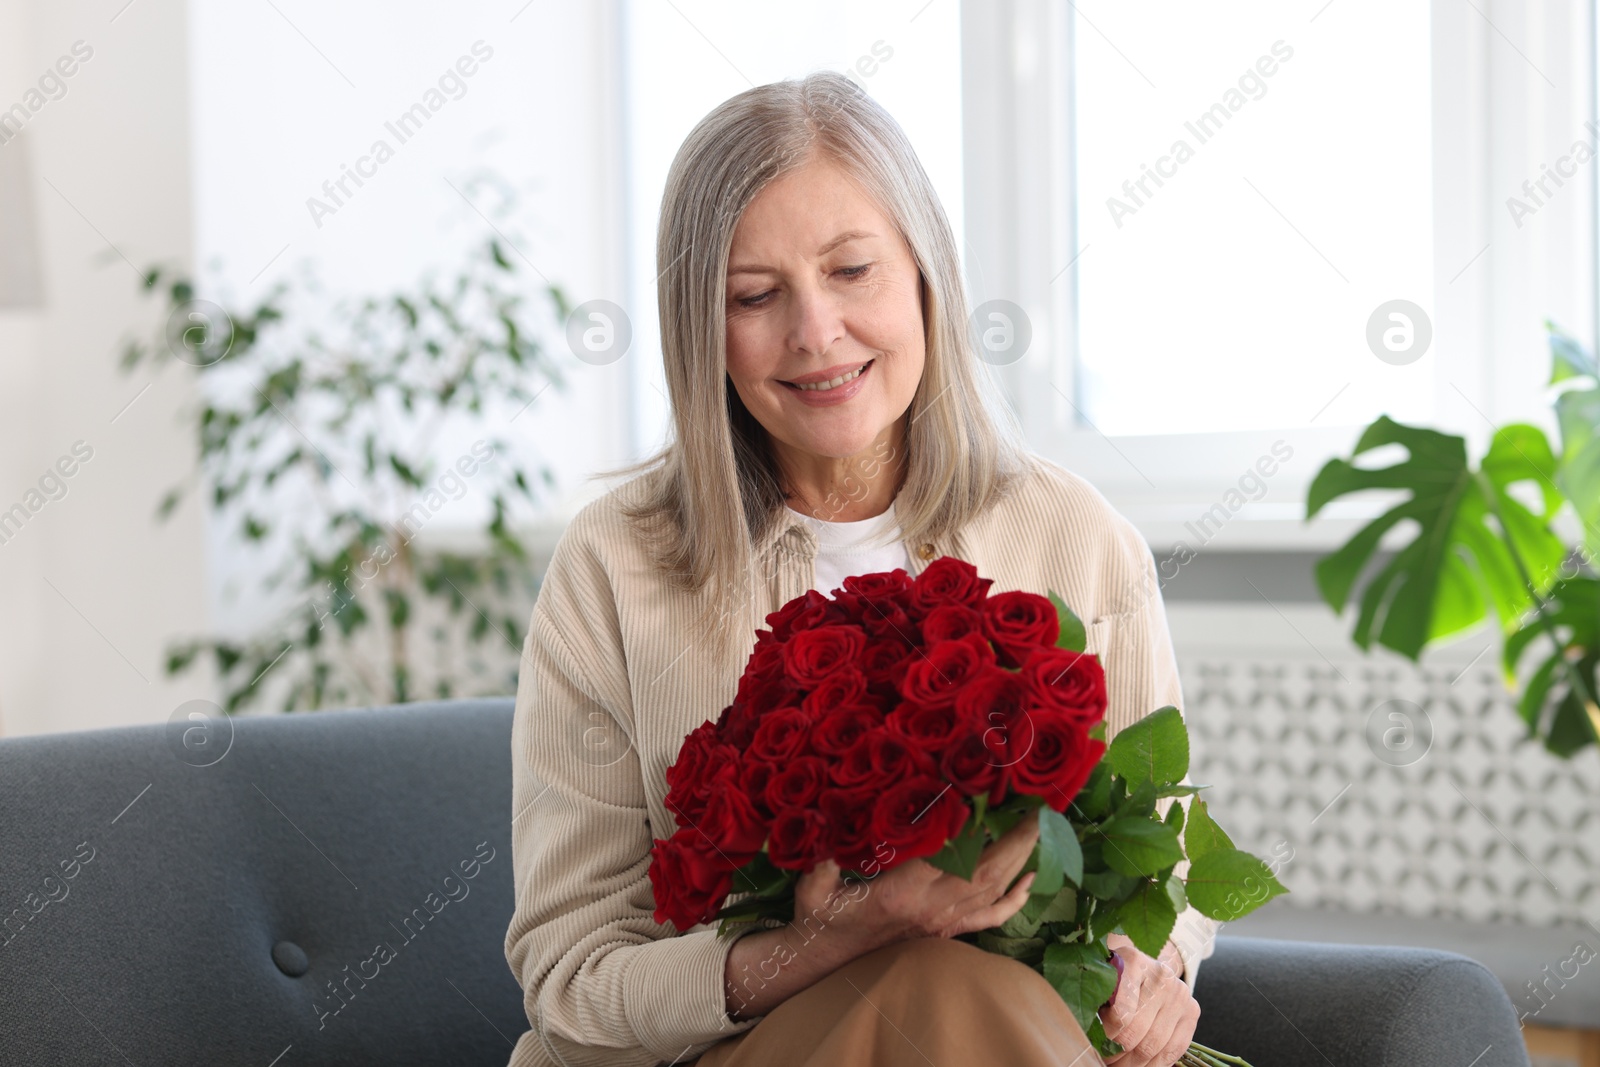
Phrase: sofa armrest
(1295, 1003)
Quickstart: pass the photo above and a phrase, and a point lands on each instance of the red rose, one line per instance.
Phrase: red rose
(835, 732)
(942, 670)
(691, 777)
(754, 774)
(765, 694)
(951, 622)
(878, 602)
(812, 655)
(1019, 623)
(948, 580)
(731, 820)
(843, 687)
(1073, 683)
(737, 723)
(796, 785)
(879, 756)
(882, 587)
(767, 655)
(889, 621)
(803, 613)
(968, 762)
(992, 697)
(925, 726)
(1059, 761)
(917, 816)
(781, 735)
(843, 811)
(689, 879)
(996, 701)
(884, 663)
(799, 839)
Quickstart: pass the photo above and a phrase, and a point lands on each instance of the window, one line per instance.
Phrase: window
(1249, 188)
(1207, 211)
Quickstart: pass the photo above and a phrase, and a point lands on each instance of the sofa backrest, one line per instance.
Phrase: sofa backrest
(277, 891)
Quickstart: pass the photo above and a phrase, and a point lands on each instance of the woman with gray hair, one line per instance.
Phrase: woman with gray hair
(829, 418)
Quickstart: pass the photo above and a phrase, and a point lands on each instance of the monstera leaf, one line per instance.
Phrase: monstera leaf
(1578, 416)
(1571, 720)
(1437, 584)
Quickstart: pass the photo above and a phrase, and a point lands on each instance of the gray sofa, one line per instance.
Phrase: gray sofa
(334, 888)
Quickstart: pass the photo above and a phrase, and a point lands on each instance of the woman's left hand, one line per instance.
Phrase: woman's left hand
(1153, 1014)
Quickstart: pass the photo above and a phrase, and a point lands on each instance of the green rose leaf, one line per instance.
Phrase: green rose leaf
(1155, 749)
(1104, 1045)
(1180, 899)
(1147, 918)
(1063, 908)
(959, 856)
(1073, 635)
(1139, 846)
(1227, 883)
(1083, 977)
(1203, 834)
(1108, 885)
(1059, 853)
(1093, 801)
(1140, 801)
(1017, 948)
(1175, 817)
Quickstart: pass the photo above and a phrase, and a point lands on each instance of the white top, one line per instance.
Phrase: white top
(862, 547)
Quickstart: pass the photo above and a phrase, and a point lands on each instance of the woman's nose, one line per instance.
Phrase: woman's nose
(817, 319)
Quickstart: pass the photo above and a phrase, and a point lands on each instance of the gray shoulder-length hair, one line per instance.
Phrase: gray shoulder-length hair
(718, 490)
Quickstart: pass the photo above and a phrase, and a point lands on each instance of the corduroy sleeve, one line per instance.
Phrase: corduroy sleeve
(603, 982)
(1143, 668)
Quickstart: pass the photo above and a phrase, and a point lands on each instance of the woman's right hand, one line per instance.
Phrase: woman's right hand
(916, 899)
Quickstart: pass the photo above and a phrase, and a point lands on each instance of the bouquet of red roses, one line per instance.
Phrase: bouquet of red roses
(905, 718)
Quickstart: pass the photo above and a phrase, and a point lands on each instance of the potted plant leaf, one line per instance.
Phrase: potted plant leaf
(1480, 547)
(317, 444)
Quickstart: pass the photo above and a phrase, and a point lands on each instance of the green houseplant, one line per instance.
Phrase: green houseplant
(1478, 548)
(317, 445)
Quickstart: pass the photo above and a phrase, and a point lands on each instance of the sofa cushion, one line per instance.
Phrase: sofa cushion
(328, 888)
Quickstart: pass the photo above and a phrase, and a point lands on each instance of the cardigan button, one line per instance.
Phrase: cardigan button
(925, 550)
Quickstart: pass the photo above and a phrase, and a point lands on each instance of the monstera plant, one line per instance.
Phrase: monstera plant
(1478, 547)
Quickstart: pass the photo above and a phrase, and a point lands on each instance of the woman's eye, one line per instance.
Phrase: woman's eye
(855, 272)
(752, 301)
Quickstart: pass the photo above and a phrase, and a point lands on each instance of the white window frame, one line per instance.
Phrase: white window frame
(1513, 85)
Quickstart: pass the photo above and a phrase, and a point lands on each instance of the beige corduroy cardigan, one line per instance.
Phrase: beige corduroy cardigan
(615, 673)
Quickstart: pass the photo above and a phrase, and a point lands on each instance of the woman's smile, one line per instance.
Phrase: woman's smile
(831, 386)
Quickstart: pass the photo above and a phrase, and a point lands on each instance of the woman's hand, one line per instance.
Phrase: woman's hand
(1152, 1014)
(916, 899)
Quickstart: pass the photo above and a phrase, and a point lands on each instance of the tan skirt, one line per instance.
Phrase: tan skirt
(914, 1003)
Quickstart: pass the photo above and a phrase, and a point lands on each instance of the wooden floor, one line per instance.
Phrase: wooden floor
(1552, 1047)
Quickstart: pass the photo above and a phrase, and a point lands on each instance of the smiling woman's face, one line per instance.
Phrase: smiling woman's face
(824, 316)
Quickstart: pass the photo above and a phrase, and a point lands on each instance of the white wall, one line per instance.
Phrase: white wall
(91, 586)
(194, 135)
